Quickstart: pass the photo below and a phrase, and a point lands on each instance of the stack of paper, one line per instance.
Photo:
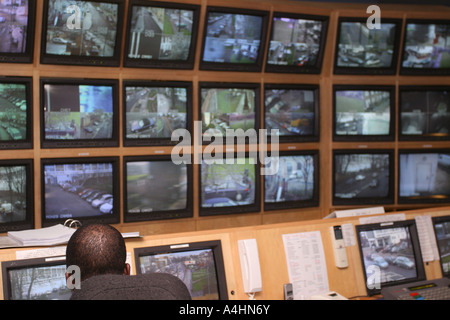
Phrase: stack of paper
(50, 236)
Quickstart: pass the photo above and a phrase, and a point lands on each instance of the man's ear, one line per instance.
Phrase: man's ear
(126, 270)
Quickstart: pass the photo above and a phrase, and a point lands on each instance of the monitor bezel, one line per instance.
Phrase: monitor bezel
(214, 245)
(162, 214)
(28, 223)
(27, 142)
(104, 218)
(391, 70)
(368, 137)
(437, 220)
(83, 60)
(315, 136)
(293, 204)
(419, 137)
(421, 71)
(81, 143)
(161, 63)
(230, 66)
(313, 69)
(156, 141)
(389, 199)
(411, 225)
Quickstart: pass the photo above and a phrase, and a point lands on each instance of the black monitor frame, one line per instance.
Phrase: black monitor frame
(443, 247)
(214, 245)
(139, 62)
(83, 59)
(232, 66)
(303, 66)
(108, 218)
(414, 238)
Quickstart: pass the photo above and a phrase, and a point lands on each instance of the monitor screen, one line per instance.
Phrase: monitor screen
(16, 115)
(364, 113)
(35, 279)
(390, 254)
(154, 110)
(363, 177)
(156, 188)
(228, 184)
(233, 39)
(442, 233)
(161, 35)
(297, 43)
(296, 182)
(84, 189)
(424, 176)
(199, 265)
(82, 32)
(79, 113)
(360, 50)
(426, 48)
(293, 110)
(424, 113)
(16, 195)
(229, 110)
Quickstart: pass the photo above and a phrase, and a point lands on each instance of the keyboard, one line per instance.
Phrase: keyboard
(438, 289)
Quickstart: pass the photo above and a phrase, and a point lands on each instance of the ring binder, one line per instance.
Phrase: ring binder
(71, 223)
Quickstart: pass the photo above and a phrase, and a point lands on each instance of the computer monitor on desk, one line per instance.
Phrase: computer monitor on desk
(442, 232)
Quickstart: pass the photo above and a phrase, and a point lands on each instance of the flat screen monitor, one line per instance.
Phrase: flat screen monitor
(294, 182)
(200, 265)
(229, 183)
(156, 188)
(79, 113)
(161, 35)
(82, 32)
(390, 254)
(229, 110)
(442, 232)
(17, 35)
(84, 189)
(297, 43)
(292, 110)
(363, 177)
(426, 48)
(363, 113)
(233, 39)
(364, 49)
(35, 279)
(424, 113)
(152, 111)
(16, 195)
(424, 176)
(16, 115)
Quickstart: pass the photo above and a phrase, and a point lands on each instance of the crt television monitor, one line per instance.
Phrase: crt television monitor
(294, 182)
(426, 48)
(84, 189)
(153, 110)
(35, 279)
(229, 184)
(363, 177)
(423, 176)
(16, 115)
(297, 43)
(16, 195)
(363, 113)
(79, 113)
(200, 265)
(292, 110)
(233, 39)
(156, 188)
(442, 232)
(390, 254)
(161, 35)
(82, 32)
(229, 111)
(17, 36)
(424, 113)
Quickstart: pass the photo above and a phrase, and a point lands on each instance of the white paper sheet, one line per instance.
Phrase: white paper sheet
(427, 238)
